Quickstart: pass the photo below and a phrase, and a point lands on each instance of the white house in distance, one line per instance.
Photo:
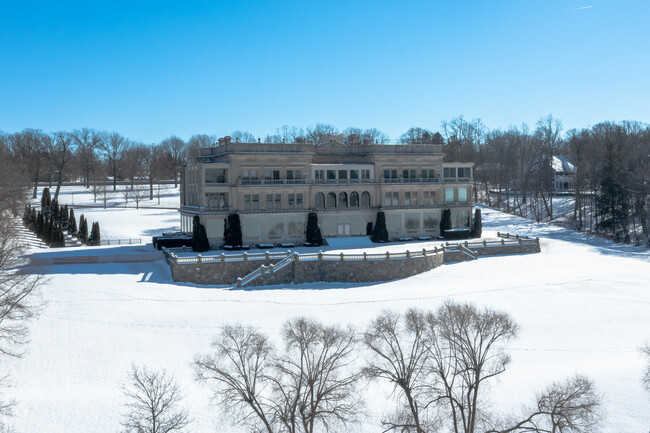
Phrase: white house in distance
(273, 187)
(564, 174)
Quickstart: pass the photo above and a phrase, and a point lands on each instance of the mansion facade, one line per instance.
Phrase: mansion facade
(273, 187)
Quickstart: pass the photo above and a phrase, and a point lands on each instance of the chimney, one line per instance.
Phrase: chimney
(222, 142)
(227, 139)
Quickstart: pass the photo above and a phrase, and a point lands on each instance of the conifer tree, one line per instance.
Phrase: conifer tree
(234, 230)
(477, 226)
(380, 233)
(445, 221)
(94, 239)
(312, 232)
(40, 224)
(54, 211)
(46, 200)
(82, 234)
(200, 240)
(72, 223)
(64, 216)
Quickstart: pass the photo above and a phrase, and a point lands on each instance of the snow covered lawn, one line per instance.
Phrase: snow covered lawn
(583, 305)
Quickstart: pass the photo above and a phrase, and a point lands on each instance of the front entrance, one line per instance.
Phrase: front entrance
(343, 229)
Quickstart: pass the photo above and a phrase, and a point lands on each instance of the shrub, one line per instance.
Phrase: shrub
(232, 234)
(312, 232)
(477, 226)
(380, 233)
(200, 240)
(445, 221)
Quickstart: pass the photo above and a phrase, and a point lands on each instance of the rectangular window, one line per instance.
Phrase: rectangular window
(388, 199)
(295, 201)
(256, 202)
(386, 174)
(269, 201)
(396, 199)
(215, 175)
(354, 174)
(408, 174)
(449, 172)
(407, 198)
(464, 172)
(273, 201)
(289, 174)
(217, 200)
(278, 201)
(247, 202)
(449, 195)
(414, 198)
(331, 174)
(276, 174)
(343, 174)
(365, 174)
(462, 194)
(319, 174)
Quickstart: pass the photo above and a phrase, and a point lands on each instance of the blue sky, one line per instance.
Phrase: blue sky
(151, 69)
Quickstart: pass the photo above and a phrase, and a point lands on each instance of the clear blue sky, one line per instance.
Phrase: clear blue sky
(150, 69)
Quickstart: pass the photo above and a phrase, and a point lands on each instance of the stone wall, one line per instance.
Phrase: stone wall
(349, 271)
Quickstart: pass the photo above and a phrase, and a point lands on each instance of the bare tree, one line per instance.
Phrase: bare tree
(319, 133)
(31, 145)
(240, 371)
(60, 152)
(548, 132)
(573, 406)
(104, 192)
(289, 134)
(309, 388)
(462, 138)
(646, 374)
(153, 401)
(314, 386)
(113, 146)
(398, 354)
(243, 136)
(173, 149)
(87, 142)
(195, 144)
(416, 135)
(138, 193)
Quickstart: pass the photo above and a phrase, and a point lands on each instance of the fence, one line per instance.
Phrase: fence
(121, 241)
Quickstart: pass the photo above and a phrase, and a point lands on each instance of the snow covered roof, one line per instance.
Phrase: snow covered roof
(562, 164)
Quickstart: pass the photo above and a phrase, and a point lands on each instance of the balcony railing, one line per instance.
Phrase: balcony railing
(410, 180)
(272, 181)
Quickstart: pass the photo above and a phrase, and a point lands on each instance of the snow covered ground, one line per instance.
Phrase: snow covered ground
(583, 305)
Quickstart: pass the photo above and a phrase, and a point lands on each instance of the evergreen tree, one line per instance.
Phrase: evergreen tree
(477, 226)
(94, 238)
(234, 230)
(72, 223)
(40, 224)
(380, 233)
(445, 221)
(312, 231)
(200, 240)
(82, 234)
(54, 211)
(64, 216)
(612, 201)
(46, 200)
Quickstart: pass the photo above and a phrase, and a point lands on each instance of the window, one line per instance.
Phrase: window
(429, 197)
(251, 201)
(217, 200)
(428, 173)
(331, 174)
(294, 174)
(408, 174)
(365, 199)
(354, 199)
(273, 201)
(343, 199)
(319, 200)
(392, 199)
(464, 172)
(462, 194)
(449, 195)
(390, 174)
(365, 174)
(410, 198)
(354, 174)
(449, 172)
(331, 200)
(215, 175)
(276, 174)
(319, 174)
(295, 201)
(343, 174)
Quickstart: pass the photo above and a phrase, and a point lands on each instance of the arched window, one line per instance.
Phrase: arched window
(365, 199)
(319, 201)
(331, 200)
(343, 199)
(354, 199)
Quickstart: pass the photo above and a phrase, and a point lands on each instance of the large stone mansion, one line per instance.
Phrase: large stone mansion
(273, 186)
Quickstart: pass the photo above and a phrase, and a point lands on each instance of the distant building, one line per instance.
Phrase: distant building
(564, 174)
(273, 186)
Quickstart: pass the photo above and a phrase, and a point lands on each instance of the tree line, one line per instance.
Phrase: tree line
(513, 171)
